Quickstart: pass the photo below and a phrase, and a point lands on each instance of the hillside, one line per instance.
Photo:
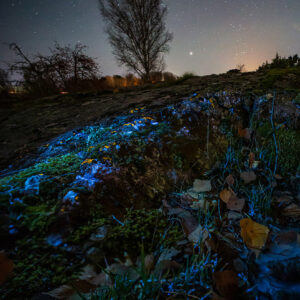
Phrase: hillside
(26, 125)
(164, 192)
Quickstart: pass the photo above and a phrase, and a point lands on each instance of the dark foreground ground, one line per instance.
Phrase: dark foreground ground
(188, 191)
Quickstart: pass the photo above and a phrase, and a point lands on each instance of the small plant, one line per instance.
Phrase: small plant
(196, 279)
(259, 201)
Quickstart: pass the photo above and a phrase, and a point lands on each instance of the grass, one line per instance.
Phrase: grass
(288, 143)
(193, 279)
(273, 75)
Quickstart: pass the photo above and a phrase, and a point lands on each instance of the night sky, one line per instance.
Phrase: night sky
(210, 36)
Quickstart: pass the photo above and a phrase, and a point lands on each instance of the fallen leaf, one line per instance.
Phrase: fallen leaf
(6, 267)
(244, 133)
(196, 235)
(226, 283)
(189, 222)
(284, 199)
(166, 266)
(278, 177)
(149, 263)
(229, 179)
(248, 176)
(254, 234)
(201, 186)
(292, 211)
(226, 194)
(235, 203)
(288, 237)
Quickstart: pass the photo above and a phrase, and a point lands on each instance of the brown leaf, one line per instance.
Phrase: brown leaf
(244, 133)
(189, 222)
(288, 237)
(201, 186)
(229, 179)
(149, 263)
(254, 234)
(6, 267)
(166, 266)
(196, 235)
(226, 283)
(248, 176)
(292, 211)
(235, 203)
(284, 199)
(226, 194)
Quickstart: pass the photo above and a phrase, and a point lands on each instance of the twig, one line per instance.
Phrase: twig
(122, 224)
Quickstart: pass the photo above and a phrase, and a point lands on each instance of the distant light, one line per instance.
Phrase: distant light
(191, 53)
(64, 93)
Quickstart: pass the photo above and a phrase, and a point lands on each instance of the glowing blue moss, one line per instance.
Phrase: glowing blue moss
(12, 230)
(32, 184)
(70, 197)
(54, 240)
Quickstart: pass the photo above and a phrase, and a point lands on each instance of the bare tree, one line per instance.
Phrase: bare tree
(137, 33)
(72, 65)
(65, 68)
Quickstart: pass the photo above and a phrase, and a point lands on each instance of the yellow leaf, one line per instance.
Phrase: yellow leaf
(225, 195)
(254, 234)
(87, 161)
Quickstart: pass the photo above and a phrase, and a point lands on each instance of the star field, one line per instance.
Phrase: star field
(210, 36)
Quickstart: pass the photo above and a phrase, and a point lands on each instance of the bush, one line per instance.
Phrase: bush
(185, 76)
(281, 62)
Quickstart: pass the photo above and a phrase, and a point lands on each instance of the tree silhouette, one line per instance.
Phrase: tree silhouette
(65, 68)
(137, 33)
